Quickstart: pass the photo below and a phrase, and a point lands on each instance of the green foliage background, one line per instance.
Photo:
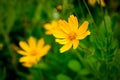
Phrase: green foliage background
(96, 58)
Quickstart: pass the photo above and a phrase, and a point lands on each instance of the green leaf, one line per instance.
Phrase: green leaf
(74, 65)
(63, 77)
(103, 69)
(84, 71)
(1, 26)
(41, 65)
(91, 59)
(108, 23)
(105, 26)
(10, 19)
(36, 73)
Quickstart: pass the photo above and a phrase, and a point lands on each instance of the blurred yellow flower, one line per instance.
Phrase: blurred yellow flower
(69, 34)
(101, 2)
(50, 27)
(1, 46)
(32, 52)
(59, 7)
(92, 2)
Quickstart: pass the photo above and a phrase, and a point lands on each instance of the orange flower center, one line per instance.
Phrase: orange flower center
(33, 53)
(72, 36)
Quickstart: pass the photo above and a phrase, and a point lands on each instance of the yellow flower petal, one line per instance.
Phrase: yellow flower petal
(27, 64)
(48, 32)
(62, 41)
(24, 46)
(40, 43)
(101, 2)
(92, 2)
(24, 59)
(44, 50)
(64, 26)
(66, 47)
(22, 52)
(83, 28)
(75, 44)
(59, 34)
(50, 27)
(54, 24)
(27, 59)
(73, 23)
(82, 36)
(47, 26)
(32, 42)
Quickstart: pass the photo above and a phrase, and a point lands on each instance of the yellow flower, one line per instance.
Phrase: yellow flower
(32, 51)
(69, 34)
(59, 7)
(50, 27)
(92, 2)
(101, 2)
(1, 46)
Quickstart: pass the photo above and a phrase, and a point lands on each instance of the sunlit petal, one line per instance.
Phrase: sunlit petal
(22, 52)
(27, 59)
(65, 47)
(59, 34)
(24, 59)
(47, 26)
(40, 43)
(48, 32)
(54, 24)
(24, 46)
(50, 27)
(62, 41)
(27, 64)
(32, 42)
(73, 23)
(83, 28)
(64, 26)
(75, 44)
(82, 36)
(44, 50)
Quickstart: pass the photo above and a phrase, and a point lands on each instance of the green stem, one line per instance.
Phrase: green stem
(89, 13)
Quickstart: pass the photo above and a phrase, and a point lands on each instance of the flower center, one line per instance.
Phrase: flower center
(33, 53)
(72, 36)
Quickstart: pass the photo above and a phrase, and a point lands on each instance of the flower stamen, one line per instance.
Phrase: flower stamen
(33, 53)
(72, 36)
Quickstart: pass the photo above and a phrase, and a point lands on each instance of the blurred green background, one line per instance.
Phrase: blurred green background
(100, 52)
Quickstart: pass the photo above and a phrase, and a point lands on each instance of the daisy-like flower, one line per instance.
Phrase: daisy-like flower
(50, 27)
(32, 51)
(69, 34)
(101, 2)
